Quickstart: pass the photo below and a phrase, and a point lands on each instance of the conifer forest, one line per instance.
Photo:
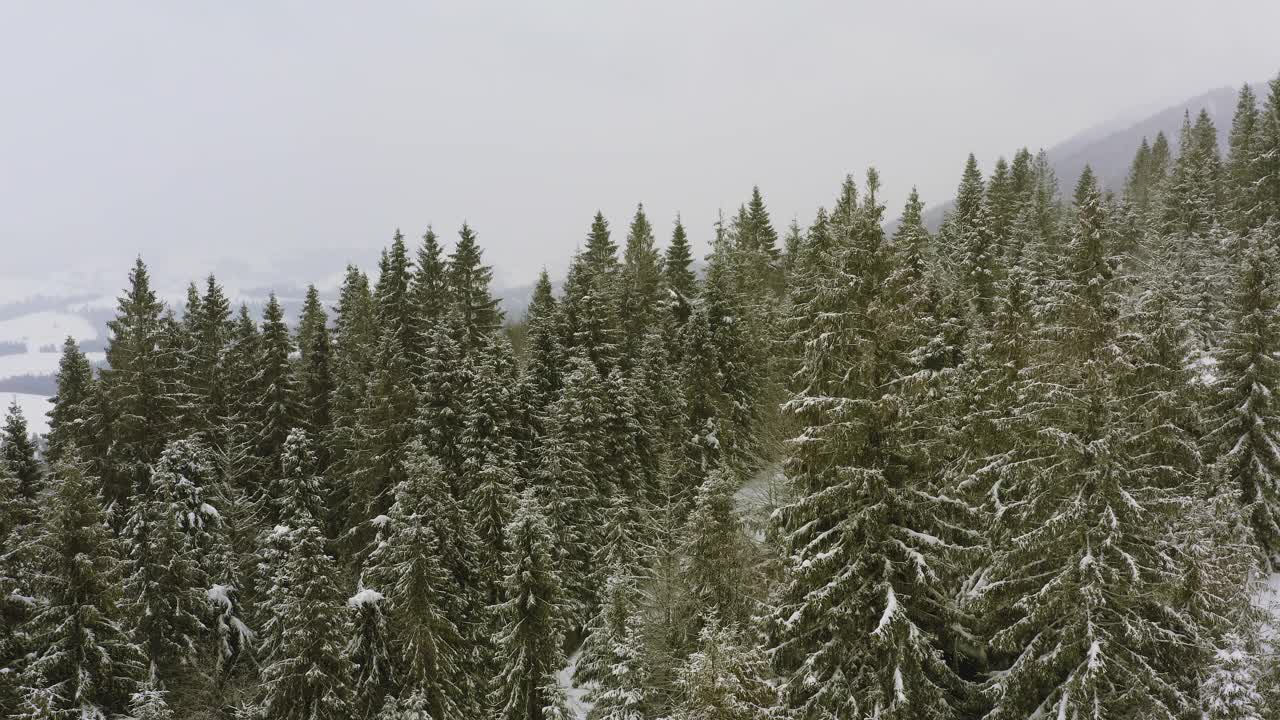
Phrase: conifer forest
(1024, 467)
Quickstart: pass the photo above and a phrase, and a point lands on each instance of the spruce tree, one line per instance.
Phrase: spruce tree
(641, 282)
(850, 633)
(385, 423)
(414, 567)
(211, 335)
(468, 280)
(1239, 173)
(72, 405)
(719, 560)
(82, 663)
(1230, 691)
(391, 294)
(355, 343)
(276, 405)
(369, 650)
(428, 296)
(132, 389)
(442, 408)
(18, 455)
(1245, 421)
(165, 585)
(725, 679)
(1266, 156)
(315, 376)
(542, 377)
(1086, 557)
(532, 618)
(309, 676)
(677, 264)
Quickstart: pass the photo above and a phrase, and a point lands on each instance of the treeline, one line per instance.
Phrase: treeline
(1031, 469)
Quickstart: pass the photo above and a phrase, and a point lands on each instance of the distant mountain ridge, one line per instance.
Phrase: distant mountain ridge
(1109, 148)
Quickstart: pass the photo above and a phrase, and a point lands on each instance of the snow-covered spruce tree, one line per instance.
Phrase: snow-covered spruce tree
(277, 401)
(532, 620)
(295, 488)
(15, 580)
(149, 703)
(414, 706)
(541, 378)
(677, 265)
(166, 585)
(468, 280)
(697, 448)
(175, 372)
(1266, 157)
(1231, 690)
(640, 283)
(566, 487)
(385, 423)
(315, 377)
(355, 344)
(442, 411)
(132, 389)
(409, 568)
(238, 369)
(1238, 170)
(391, 293)
(1246, 420)
(849, 633)
(428, 296)
(309, 676)
(592, 326)
(82, 665)
(1083, 584)
(370, 651)
(68, 420)
(573, 484)
(726, 678)
(719, 560)
(210, 335)
(18, 453)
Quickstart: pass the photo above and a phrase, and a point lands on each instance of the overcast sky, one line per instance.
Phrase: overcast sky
(198, 132)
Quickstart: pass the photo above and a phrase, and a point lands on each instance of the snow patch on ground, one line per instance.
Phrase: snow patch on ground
(35, 409)
(578, 705)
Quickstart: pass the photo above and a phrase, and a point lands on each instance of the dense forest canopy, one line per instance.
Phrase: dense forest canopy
(1025, 467)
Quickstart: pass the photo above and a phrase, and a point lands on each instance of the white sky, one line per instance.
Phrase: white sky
(199, 132)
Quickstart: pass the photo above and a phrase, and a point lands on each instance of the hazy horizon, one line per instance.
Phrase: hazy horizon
(203, 136)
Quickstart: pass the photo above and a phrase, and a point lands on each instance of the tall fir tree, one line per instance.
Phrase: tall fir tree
(1245, 425)
(408, 569)
(276, 405)
(428, 295)
(531, 639)
(132, 389)
(82, 662)
(677, 265)
(851, 633)
(468, 281)
(309, 677)
(72, 405)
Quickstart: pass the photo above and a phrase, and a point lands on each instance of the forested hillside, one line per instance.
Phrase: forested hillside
(1029, 468)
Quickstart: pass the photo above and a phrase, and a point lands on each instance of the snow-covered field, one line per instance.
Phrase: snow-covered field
(46, 328)
(41, 330)
(34, 409)
(37, 363)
